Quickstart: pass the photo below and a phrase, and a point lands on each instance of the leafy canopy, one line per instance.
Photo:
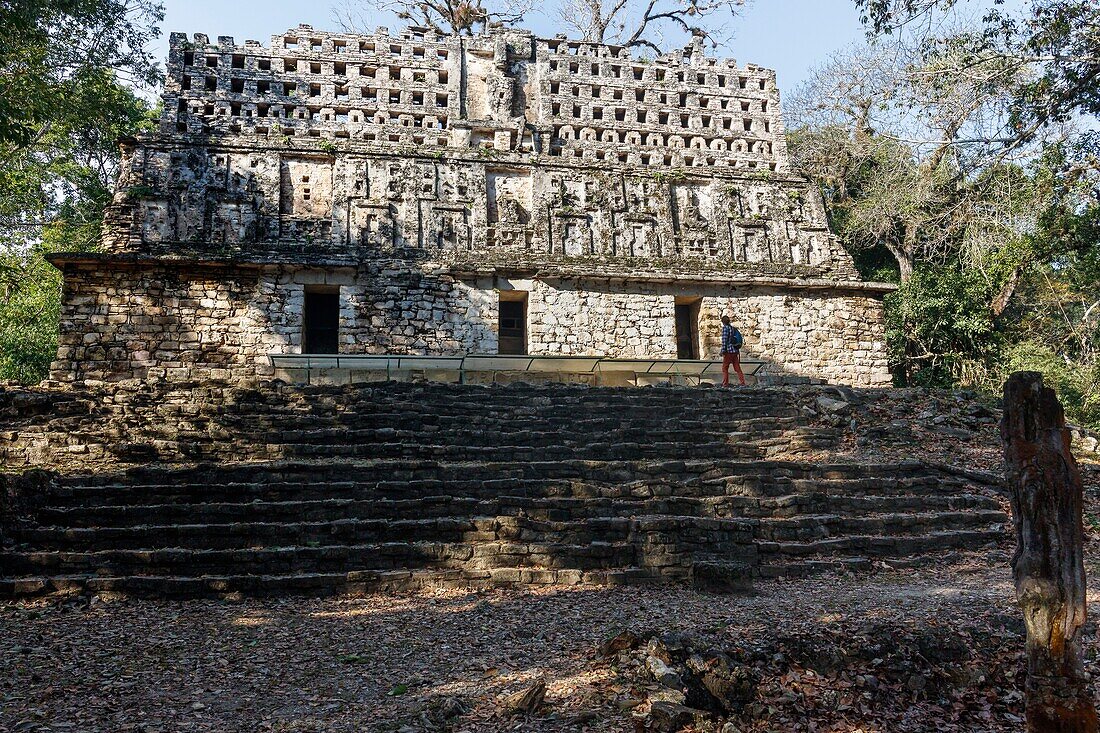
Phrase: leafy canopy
(66, 73)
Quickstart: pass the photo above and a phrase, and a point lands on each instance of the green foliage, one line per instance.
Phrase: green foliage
(676, 175)
(49, 48)
(61, 116)
(876, 264)
(29, 298)
(353, 659)
(137, 193)
(994, 234)
(939, 327)
(1077, 383)
(942, 333)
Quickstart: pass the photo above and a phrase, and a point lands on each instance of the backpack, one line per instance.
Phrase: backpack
(738, 339)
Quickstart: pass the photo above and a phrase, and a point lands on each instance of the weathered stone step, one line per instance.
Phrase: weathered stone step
(440, 416)
(456, 425)
(628, 486)
(355, 531)
(551, 507)
(509, 436)
(715, 469)
(595, 451)
(930, 482)
(281, 489)
(332, 558)
(876, 546)
(816, 566)
(518, 399)
(814, 527)
(794, 505)
(423, 476)
(429, 418)
(347, 582)
(191, 494)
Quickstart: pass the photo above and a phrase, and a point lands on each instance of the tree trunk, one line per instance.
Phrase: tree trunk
(904, 256)
(1002, 298)
(1048, 565)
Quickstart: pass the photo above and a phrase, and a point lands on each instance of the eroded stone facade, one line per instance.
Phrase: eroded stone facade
(424, 178)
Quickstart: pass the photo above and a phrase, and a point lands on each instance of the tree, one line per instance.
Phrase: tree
(65, 99)
(939, 328)
(1048, 565)
(1057, 42)
(644, 24)
(445, 17)
(930, 153)
(50, 44)
(906, 149)
(964, 102)
(629, 23)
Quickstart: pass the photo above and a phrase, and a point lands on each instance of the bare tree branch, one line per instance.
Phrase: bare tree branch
(641, 24)
(449, 17)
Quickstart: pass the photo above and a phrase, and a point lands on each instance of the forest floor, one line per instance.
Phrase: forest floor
(937, 648)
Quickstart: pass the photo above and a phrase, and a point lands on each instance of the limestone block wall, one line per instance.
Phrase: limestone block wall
(837, 337)
(176, 323)
(581, 318)
(157, 324)
(173, 323)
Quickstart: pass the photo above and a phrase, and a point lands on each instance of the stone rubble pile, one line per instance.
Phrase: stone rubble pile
(770, 681)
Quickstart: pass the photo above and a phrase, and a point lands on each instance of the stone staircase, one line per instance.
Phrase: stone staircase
(208, 491)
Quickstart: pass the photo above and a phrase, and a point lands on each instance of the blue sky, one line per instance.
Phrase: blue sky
(790, 36)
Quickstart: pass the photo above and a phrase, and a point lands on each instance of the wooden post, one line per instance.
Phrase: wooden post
(1048, 565)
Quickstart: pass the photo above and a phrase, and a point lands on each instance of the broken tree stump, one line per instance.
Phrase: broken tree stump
(1048, 565)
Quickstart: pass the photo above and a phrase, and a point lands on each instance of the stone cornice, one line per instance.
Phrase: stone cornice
(465, 271)
(730, 278)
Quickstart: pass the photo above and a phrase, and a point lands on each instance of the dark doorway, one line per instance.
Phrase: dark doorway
(687, 330)
(322, 322)
(512, 331)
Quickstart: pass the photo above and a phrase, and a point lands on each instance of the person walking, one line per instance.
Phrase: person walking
(732, 340)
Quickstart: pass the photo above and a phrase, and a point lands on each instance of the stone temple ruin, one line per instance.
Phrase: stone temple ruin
(420, 194)
(433, 196)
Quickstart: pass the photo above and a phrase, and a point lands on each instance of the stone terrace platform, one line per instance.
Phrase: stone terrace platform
(212, 489)
(498, 369)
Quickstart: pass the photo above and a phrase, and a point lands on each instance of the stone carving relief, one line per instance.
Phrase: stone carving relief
(445, 226)
(155, 225)
(305, 198)
(694, 207)
(572, 235)
(478, 70)
(306, 188)
(508, 207)
(755, 245)
(500, 141)
(371, 225)
(640, 238)
(508, 197)
(387, 205)
(234, 223)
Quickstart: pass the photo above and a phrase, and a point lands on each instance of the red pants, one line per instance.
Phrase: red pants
(734, 359)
